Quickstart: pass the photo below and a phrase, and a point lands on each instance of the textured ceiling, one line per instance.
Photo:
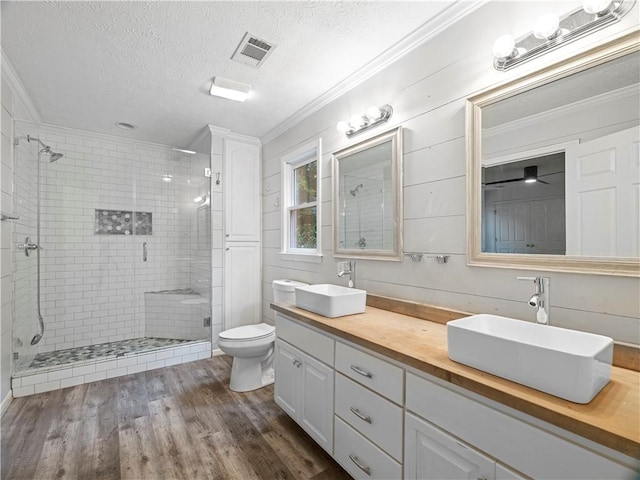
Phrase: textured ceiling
(91, 64)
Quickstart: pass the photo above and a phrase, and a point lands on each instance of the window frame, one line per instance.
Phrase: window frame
(304, 155)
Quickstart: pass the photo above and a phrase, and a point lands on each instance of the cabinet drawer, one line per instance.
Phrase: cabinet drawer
(375, 417)
(376, 374)
(309, 341)
(360, 457)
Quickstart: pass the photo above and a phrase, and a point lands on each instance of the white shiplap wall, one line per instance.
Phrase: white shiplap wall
(427, 89)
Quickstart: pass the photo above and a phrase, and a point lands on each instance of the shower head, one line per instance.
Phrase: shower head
(46, 149)
(354, 192)
(55, 156)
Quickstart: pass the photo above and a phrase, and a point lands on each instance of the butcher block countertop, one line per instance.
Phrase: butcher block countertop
(612, 418)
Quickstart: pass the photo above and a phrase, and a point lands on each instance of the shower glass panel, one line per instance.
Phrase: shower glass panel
(126, 249)
(25, 267)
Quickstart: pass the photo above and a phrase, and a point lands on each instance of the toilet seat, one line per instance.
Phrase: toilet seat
(248, 332)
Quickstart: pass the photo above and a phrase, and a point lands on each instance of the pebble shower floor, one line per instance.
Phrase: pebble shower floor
(101, 351)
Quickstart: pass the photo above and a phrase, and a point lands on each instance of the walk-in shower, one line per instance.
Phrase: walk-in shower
(112, 264)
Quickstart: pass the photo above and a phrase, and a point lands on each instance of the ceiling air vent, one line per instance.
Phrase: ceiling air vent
(252, 51)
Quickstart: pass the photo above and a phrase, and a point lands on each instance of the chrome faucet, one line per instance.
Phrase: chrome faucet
(351, 272)
(540, 299)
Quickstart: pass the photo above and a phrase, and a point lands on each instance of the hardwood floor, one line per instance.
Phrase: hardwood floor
(171, 423)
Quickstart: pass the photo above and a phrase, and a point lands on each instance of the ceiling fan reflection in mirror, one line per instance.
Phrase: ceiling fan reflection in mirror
(530, 176)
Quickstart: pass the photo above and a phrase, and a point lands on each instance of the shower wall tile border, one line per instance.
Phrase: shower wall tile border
(72, 376)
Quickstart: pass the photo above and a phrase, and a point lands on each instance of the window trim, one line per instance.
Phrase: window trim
(303, 155)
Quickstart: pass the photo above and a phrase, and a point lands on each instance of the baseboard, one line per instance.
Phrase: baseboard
(216, 352)
(5, 402)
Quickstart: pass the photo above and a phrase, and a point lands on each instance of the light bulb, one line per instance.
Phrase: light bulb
(357, 121)
(547, 26)
(504, 47)
(596, 6)
(374, 113)
(342, 126)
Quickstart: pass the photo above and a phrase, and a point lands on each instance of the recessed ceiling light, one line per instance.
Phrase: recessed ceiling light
(190, 152)
(222, 87)
(125, 126)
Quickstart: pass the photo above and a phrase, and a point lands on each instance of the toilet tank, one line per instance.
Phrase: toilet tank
(284, 291)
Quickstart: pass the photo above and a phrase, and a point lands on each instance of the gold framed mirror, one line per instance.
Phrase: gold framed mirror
(367, 198)
(553, 166)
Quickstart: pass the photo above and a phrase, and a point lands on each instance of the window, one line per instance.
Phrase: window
(301, 201)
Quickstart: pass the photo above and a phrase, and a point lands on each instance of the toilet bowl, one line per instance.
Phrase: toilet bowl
(251, 347)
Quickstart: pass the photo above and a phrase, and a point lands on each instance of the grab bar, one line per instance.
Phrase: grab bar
(144, 252)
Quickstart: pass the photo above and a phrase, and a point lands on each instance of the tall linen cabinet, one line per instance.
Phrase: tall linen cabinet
(242, 211)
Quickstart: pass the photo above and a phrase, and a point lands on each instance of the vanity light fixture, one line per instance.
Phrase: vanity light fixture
(230, 89)
(360, 123)
(167, 178)
(551, 31)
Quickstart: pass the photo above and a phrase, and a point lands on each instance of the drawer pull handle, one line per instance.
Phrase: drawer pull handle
(362, 467)
(362, 372)
(357, 413)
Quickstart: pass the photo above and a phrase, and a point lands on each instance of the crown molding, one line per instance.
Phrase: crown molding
(19, 91)
(450, 15)
(228, 134)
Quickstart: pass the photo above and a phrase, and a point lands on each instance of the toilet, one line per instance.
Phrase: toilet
(252, 346)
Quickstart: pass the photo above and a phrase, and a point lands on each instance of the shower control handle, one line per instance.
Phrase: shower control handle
(27, 246)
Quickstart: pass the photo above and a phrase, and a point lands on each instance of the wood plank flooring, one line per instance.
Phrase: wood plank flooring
(179, 422)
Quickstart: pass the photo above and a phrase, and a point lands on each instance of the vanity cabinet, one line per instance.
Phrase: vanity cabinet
(304, 385)
(392, 421)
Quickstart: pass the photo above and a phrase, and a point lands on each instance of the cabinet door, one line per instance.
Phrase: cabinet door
(242, 191)
(316, 409)
(430, 453)
(242, 287)
(287, 379)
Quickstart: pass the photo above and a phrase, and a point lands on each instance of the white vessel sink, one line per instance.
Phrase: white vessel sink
(331, 300)
(566, 363)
